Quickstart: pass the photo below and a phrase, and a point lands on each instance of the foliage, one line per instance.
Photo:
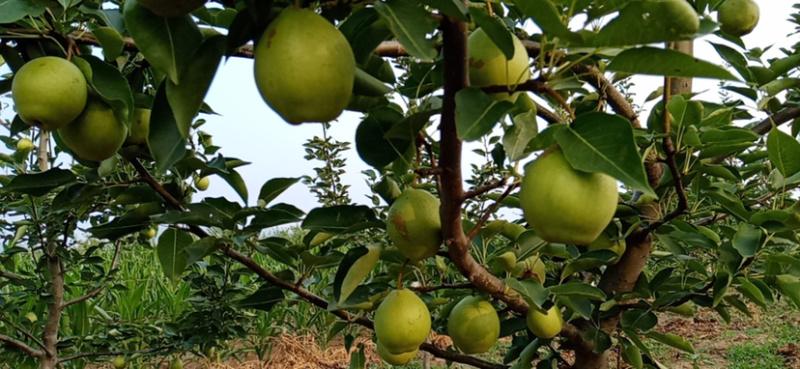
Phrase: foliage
(708, 204)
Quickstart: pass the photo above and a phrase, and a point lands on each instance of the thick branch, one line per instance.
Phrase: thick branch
(10, 276)
(781, 117)
(21, 346)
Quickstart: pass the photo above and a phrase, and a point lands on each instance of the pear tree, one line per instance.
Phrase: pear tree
(584, 219)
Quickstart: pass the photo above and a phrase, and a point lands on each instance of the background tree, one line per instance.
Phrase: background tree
(706, 212)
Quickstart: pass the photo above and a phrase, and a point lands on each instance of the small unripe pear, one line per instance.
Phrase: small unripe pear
(25, 144)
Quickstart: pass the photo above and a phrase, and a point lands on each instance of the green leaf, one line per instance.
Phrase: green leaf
(578, 289)
(167, 43)
(789, 286)
(453, 8)
(340, 219)
(784, 152)
(367, 85)
(186, 98)
(110, 40)
(119, 227)
(235, 180)
(347, 262)
(736, 59)
(592, 259)
(410, 24)
(477, 113)
(776, 86)
(409, 127)
(112, 87)
(750, 291)
(530, 289)
(164, 139)
(14, 10)
(371, 144)
(40, 183)
(672, 340)
(721, 283)
(747, 239)
(263, 299)
(580, 306)
(496, 31)
(274, 187)
(729, 202)
(171, 250)
(516, 137)
(358, 359)
(631, 354)
(546, 16)
(277, 248)
(599, 142)
(642, 22)
(640, 319)
(527, 355)
(671, 63)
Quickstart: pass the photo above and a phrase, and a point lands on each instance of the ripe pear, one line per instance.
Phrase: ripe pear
(140, 127)
(402, 322)
(171, 8)
(738, 17)
(49, 92)
(202, 183)
(682, 16)
(414, 225)
(604, 242)
(488, 65)
(358, 271)
(396, 359)
(473, 325)
(177, 363)
(566, 205)
(96, 134)
(119, 362)
(545, 325)
(304, 67)
(25, 144)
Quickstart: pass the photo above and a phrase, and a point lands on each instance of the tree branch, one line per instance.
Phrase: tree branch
(484, 189)
(784, 115)
(25, 333)
(115, 353)
(97, 290)
(427, 289)
(474, 231)
(10, 276)
(22, 346)
(529, 85)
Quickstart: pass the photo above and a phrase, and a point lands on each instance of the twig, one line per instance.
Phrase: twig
(424, 172)
(25, 333)
(97, 290)
(782, 116)
(529, 85)
(489, 211)
(547, 114)
(426, 289)
(561, 101)
(484, 189)
(115, 353)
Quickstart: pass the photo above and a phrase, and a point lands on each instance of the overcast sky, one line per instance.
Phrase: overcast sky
(248, 129)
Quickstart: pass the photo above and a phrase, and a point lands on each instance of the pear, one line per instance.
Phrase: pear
(304, 67)
(49, 92)
(414, 225)
(488, 65)
(545, 325)
(738, 17)
(96, 134)
(171, 8)
(396, 359)
(473, 325)
(566, 205)
(140, 127)
(402, 322)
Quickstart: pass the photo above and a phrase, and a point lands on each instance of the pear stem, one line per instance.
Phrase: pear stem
(400, 275)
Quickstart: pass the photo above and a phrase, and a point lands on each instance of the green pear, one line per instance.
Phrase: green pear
(738, 17)
(140, 127)
(402, 322)
(171, 8)
(359, 271)
(682, 16)
(96, 134)
(473, 325)
(508, 260)
(49, 92)
(414, 225)
(119, 362)
(396, 359)
(177, 363)
(201, 183)
(488, 65)
(566, 205)
(545, 325)
(25, 144)
(304, 67)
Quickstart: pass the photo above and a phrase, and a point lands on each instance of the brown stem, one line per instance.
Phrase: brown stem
(22, 346)
(485, 217)
(43, 157)
(115, 353)
(484, 189)
(25, 333)
(10, 276)
(554, 94)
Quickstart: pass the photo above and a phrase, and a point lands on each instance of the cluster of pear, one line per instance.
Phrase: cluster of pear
(738, 17)
(52, 93)
(304, 67)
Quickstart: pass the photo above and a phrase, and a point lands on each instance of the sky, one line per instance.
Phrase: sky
(246, 128)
